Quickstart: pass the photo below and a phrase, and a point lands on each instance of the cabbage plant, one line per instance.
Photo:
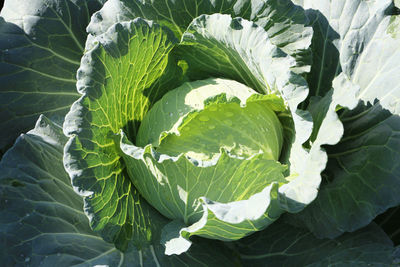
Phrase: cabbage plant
(199, 133)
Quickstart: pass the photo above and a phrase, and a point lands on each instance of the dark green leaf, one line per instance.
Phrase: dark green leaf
(41, 44)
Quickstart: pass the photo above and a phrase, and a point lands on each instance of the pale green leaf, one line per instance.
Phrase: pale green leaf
(193, 117)
(284, 22)
(119, 78)
(181, 188)
(203, 168)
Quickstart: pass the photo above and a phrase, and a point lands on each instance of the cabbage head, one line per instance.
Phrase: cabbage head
(199, 132)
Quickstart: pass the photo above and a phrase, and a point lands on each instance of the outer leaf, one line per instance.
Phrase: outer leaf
(282, 244)
(362, 173)
(376, 72)
(396, 255)
(280, 18)
(358, 186)
(41, 218)
(41, 44)
(119, 78)
(368, 43)
(388, 221)
(342, 31)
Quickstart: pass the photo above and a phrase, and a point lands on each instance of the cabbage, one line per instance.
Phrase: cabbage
(208, 133)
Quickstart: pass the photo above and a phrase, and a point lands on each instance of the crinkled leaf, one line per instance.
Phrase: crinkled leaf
(41, 45)
(362, 176)
(363, 170)
(207, 176)
(343, 30)
(283, 20)
(328, 129)
(217, 45)
(396, 255)
(174, 186)
(376, 69)
(283, 244)
(119, 78)
(174, 14)
(242, 51)
(287, 28)
(41, 217)
(192, 119)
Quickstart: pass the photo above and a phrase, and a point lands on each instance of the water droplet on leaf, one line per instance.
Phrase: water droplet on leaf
(204, 118)
(228, 122)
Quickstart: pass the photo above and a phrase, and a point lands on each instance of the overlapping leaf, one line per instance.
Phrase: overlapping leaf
(41, 45)
(362, 176)
(342, 31)
(358, 187)
(283, 244)
(241, 50)
(118, 78)
(204, 169)
(41, 217)
(284, 21)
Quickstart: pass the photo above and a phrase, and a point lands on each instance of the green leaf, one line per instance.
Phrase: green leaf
(241, 50)
(362, 176)
(174, 186)
(396, 255)
(193, 117)
(376, 68)
(362, 172)
(286, 25)
(41, 217)
(283, 244)
(217, 45)
(283, 21)
(343, 30)
(328, 129)
(205, 166)
(119, 77)
(176, 15)
(42, 222)
(41, 45)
